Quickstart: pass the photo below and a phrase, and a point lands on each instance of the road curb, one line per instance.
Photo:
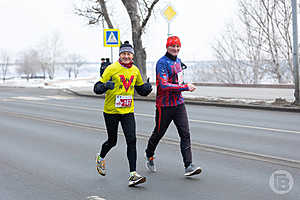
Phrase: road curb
(287, 108)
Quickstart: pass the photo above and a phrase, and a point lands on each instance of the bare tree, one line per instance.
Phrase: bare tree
(252, 46)
(29, 63)
(4, 60)
(226, 50)
(238, 58)
(44, 57)
(72, 64)
(77, 61)
(273, 19)
(283, 23)
(50, 51)
(139, 12)
(263, 39)
(68, 68)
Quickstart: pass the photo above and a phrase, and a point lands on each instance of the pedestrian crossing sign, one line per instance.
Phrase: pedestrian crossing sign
(111, 37)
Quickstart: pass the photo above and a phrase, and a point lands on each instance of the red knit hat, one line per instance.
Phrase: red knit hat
(173, 40)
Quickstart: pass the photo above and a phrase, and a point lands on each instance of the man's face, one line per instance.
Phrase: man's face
(173, 49)
(126, 57)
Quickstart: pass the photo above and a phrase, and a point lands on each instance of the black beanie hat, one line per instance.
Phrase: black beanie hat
(126, 47)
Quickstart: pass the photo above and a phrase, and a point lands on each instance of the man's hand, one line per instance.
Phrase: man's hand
(191, 87)
(110, 85)
(148, 86)
(145, 89)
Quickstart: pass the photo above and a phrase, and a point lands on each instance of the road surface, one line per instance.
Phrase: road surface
(49, 139)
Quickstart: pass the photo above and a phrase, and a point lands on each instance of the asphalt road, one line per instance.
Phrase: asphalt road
(48, 142)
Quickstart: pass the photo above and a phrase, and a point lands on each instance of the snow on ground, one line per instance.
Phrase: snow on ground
(85, 85)
(47, 83)
(89, 75)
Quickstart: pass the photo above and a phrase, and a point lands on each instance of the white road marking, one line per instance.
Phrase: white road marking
(95, 198)
(233, 125)
(29, 98)
(245, 126)
(206, 147)
(191, 120)
(5, 99)
(42, 98)
(58, 97)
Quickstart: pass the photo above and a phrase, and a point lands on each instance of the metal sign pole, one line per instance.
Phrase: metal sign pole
(295, 52)
(169, 30)
(169, 13)
(111, 54)
(111, 39)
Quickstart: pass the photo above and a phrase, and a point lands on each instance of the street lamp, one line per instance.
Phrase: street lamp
(295, 52)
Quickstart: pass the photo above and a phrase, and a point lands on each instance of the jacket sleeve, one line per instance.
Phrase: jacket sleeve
(144, 90)
(163, 79)
(139, 80)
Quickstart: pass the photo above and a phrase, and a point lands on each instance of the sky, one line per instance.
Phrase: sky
(24, 23)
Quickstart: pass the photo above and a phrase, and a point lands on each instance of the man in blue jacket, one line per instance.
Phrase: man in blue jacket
(170, 106)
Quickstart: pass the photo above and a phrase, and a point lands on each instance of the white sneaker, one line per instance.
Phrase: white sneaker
(192, 170)
(136, 179)
(150, 163)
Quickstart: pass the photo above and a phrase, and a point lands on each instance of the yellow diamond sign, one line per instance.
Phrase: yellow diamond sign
(169, 13)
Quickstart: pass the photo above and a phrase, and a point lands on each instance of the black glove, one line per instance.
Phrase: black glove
(145, 89)
(99, 88)
(110, 85)
(148, 86)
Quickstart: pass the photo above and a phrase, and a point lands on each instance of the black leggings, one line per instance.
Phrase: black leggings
(128, 126)
(164, 116)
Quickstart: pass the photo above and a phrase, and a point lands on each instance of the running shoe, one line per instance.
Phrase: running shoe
(192, 170)
(150, 163)
(100, 165)
(135, 179)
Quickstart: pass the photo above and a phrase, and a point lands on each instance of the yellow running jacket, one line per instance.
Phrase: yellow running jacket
(120, 99)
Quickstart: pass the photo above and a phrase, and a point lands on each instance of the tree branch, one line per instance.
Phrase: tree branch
(105, 13)
(150, 9)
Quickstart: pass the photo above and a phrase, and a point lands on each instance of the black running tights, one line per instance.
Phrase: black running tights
(128, 126)
(164, 116)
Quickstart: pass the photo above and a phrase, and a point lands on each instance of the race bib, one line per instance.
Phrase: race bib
(180, 77)
(123, 101)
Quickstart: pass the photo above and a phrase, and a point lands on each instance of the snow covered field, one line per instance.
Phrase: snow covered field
(89, 75)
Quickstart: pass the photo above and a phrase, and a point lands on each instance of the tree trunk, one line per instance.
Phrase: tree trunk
(140, 56)
(105, 13)
(140, 53)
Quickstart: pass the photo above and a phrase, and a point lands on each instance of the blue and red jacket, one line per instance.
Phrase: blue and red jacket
(168, 88)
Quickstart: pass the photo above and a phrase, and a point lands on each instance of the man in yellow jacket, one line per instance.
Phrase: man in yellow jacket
(118, 83)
